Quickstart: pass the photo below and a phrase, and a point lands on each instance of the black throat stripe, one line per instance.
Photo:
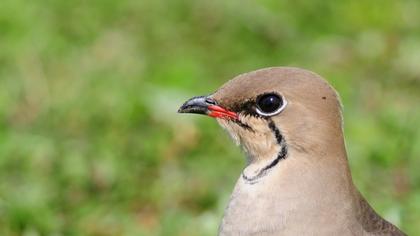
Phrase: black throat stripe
(276, 131)
(281, 155)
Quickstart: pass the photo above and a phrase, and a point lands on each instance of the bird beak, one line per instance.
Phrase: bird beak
(206, 106)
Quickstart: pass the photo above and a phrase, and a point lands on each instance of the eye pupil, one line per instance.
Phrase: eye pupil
(269, 103)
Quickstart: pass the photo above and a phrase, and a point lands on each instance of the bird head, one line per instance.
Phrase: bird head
(273, 109)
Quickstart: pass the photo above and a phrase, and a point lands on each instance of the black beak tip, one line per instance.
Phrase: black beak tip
(181, 109)
(196, 105)
(185, 107)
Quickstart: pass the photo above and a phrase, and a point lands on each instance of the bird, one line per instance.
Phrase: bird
(297, 180)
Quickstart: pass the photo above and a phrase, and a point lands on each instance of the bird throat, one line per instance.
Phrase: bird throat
(253, 173)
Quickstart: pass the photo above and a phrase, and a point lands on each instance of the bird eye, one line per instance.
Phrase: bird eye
(270, 104)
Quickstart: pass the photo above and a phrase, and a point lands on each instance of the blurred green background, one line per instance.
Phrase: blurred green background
(90, 141)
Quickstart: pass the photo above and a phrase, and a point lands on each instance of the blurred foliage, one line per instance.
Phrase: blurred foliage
(90, 142)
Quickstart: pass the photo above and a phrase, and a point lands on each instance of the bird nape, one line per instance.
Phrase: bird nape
(297, 180)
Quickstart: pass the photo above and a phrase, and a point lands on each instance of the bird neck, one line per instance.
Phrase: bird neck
(316, 171)
(296, 191)
(317, 176)
(260, 165)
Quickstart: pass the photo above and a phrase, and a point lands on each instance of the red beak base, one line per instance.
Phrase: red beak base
(220, 112)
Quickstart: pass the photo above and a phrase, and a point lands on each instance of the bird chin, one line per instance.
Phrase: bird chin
(228, 126)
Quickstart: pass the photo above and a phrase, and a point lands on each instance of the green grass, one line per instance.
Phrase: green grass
(90, 142)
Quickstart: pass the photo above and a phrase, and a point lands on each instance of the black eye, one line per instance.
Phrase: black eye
(270, 104)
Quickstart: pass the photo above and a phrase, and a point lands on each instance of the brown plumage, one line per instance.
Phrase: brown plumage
(297, 180)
